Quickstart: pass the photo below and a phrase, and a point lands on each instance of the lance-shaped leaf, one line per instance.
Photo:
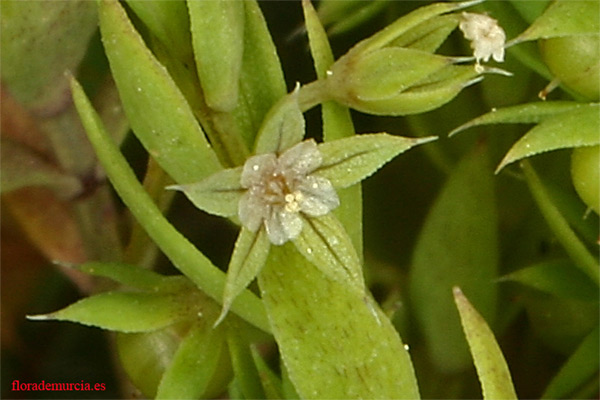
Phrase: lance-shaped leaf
(126, 274)
(194, 364)
(325, 243)
(219, 194)
(157, 110)
(249, 256)
(575, 128)
(334, 341)
(218, 40)
(492, 370)
(348, 161)
(529, 113)
(244, 367)
(429, 35)
(123, 311)
(564, 18)
(581, 366)
(283, 126)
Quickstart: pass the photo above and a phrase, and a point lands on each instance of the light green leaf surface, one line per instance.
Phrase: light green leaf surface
(40, 41)
(334, 341)
(261, 82)
(177, 248)
(219, 194)
(337, 124)
(348, 161)
(529, 113)
(168, 21)
(22, 167)
(283, 126)
(564, 18)
(123, 311)
(249, 256)
(560, 227)
(271, 383)
(126, 274)
(244, 367)
(492, 370)
(193, 365)
(325, 243)
(558, 278)
(159, 114)
(218, 40)
(575, 128)
(429, 35)
(580, 367)
(457, 246)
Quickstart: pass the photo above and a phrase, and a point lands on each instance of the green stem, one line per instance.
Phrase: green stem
(565, 235)
(176, 247)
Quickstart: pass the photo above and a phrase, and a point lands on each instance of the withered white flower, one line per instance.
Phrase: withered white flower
(280, 188)
(486, 36)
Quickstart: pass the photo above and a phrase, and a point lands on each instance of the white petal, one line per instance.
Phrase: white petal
(318, 196)
(283, 226)
(301, 159)
(252, 210)
(257, 168)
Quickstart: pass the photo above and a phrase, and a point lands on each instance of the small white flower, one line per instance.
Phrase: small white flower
(279, 188)
(486, 36)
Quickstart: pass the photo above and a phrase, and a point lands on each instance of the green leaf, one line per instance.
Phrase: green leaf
(126, 274)
(177, 248)
(270, 381)
(283, 126)
(193, 365)
(159, 114)
(565, 235)
(123, 311)
(218, 40)
(558, 278)
(219, 194)
(581, 366)
(492, 370)
(40, 41)
(23, 167)
(343, 16)
(457, 246)
(337, 124)
(564, 18)
(348, 161)
(261, 82)
(429, 35)
(248, 258)
(334, 340)
(325, 243)
(522, 114)
(168, 21)
(575, 128)
(244, 367)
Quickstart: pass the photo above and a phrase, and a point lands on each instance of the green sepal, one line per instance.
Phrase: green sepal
(218, 40)
(123, 311)
(492, 370)
(249, 256)
(194, 364)
(283, 126)
(348, 161)
(158, 112)
(219, 194)
(429, 35)
(583, 124)
(529, 113)
(324, 242)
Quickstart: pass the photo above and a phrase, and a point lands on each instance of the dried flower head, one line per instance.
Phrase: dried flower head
(486, 36)
(279, 188)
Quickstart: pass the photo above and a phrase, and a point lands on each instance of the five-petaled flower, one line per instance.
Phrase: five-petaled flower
(486, 36)
(279, 188)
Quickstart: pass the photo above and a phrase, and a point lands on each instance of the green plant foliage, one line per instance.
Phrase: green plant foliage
(585, 171)
(322, 325)
(456, 247)
(492, 370)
